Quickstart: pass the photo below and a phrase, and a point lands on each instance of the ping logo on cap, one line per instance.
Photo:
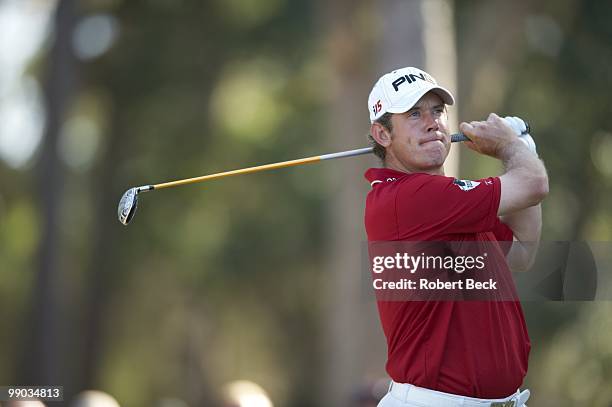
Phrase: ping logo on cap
(411, 78)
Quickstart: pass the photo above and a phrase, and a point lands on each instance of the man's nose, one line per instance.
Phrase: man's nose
(432, 122)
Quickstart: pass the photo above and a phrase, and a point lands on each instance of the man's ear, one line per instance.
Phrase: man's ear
(380, 134)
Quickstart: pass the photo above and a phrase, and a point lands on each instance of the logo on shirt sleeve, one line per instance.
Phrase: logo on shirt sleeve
(465, 184)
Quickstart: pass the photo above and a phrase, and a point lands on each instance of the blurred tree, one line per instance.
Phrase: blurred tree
(157, 76)
(43, 358)
(364, 40)
(348, 28)
(181, 280)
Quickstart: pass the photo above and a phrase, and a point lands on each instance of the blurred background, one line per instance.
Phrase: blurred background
(247, 291)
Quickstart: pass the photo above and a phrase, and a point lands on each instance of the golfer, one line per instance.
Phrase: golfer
(451, 353)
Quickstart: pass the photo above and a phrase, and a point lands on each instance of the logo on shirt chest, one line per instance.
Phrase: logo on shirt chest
(466, 185)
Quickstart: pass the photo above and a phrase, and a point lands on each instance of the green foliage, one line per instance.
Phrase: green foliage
(223, 281)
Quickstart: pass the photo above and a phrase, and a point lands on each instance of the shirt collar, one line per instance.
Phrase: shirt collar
(378, 175)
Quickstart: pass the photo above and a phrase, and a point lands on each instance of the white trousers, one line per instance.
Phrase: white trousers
(407, 395)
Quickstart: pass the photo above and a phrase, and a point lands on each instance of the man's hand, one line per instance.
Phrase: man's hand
(490, 137)
(522, 131)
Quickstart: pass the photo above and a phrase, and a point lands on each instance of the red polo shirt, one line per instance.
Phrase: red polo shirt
(471, 348)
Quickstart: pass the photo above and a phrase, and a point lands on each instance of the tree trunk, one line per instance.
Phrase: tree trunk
(43, 363)
(356, 345)
(351, 320)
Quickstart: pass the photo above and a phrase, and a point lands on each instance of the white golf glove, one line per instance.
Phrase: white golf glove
(519, 126)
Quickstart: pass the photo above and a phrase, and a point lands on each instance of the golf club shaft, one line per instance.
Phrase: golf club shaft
(301, 161)
(283, 164)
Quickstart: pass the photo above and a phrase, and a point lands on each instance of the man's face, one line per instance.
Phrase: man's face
(420, 139)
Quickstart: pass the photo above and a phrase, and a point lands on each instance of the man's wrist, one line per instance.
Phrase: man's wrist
(512, 148)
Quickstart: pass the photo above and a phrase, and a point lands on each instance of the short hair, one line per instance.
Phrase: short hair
(385, 121)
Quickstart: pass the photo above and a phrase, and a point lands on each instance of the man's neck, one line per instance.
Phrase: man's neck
(394, 165)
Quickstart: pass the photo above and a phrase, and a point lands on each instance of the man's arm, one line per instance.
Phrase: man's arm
(524, 182)
(526, 225)
(524, 185)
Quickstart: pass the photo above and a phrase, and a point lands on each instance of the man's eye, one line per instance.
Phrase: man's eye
(415, 113)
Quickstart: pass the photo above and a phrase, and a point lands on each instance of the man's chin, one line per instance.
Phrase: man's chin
(436, 161)
(436, 150)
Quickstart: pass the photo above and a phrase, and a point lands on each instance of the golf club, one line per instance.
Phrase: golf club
(129, 200)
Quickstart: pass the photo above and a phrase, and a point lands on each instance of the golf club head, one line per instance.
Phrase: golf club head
(127, 205)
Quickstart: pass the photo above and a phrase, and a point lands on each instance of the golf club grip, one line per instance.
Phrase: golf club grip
(455, 138)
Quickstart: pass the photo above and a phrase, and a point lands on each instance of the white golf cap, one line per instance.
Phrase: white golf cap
(399, 90)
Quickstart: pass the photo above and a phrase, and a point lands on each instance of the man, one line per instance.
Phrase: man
(447, 353)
